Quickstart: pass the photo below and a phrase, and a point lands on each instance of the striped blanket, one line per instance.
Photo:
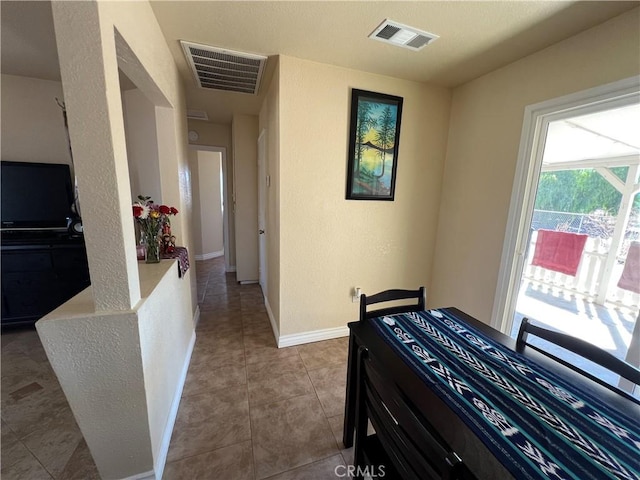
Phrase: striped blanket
(536, 423)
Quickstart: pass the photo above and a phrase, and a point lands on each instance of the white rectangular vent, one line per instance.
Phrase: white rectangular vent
(402, 35)
(197, 115)
(221, 69)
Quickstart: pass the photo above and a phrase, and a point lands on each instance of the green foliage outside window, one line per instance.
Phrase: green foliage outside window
(580, 191)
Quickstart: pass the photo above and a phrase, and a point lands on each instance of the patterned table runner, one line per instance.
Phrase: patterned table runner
(182, 255)
(536, 423)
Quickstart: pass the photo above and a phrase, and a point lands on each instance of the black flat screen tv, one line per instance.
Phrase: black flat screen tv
(35, 196)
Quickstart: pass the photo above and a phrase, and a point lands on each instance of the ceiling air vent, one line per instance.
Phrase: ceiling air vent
(197, 115)
(221, 69)
(402, 35)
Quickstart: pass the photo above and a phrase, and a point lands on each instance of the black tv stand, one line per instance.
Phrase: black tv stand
(41, 269)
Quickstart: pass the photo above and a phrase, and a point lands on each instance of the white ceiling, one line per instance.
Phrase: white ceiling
(28, 40)
(475, 37)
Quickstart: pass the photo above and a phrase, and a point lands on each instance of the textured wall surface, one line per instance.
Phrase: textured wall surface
(94, 105)
(329, 245)
(121, 371)
(165, 330)
(98, 362)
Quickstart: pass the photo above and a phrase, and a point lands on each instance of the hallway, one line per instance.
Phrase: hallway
(248, 411)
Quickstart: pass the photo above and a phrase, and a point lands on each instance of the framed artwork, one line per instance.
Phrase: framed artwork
(374, 135)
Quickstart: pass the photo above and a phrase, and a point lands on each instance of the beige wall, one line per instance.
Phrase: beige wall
(245, 171)
(329, 245)
(195, 191)
(484, 136)
(211, 134)
(32, 122)
(142, 145)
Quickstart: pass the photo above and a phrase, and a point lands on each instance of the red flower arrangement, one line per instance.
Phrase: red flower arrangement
(164, 210)
(151, 218)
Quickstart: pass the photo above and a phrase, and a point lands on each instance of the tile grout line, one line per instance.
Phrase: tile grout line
(324, 412)
(338, 444)
(38, 460)
(244, 313)
(246, 372)
(209, 391)
(267, 403)
(19, 440)
(275, 475)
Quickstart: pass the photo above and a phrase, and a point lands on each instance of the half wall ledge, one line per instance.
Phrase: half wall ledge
(121, 371)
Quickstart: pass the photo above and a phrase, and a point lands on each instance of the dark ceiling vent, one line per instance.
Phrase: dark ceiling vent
(402, 35)
(220, 69)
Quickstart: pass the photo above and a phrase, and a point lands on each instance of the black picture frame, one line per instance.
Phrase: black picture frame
(374, 140)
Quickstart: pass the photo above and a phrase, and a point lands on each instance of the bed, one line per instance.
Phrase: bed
(449, 397)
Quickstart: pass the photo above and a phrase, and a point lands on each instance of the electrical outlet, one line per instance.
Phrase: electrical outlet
(357, 291)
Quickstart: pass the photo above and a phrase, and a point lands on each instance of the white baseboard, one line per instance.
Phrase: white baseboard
(207, 256)
(272, 320)
(150, 475)
(173, 413)
(231, 268)
(156, 473)
(312, 336)
(196, 316)
(248, 282)
(302, 338)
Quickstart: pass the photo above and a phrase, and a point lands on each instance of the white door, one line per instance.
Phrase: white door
(530, 158)
(588, 133)
(262, 202)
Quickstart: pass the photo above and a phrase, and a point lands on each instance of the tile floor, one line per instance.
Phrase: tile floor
(249, 410)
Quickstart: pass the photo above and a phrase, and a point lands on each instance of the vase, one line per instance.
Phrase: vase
(140, 251)
(152, 249)
(140, 247)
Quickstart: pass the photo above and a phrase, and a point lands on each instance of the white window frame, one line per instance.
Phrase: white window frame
(534, 130)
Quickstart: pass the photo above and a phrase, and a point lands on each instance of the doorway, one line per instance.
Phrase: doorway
(585, 200)
(570, 140)
(209, 210)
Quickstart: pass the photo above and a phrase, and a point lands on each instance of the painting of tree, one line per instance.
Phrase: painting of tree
(365, 122)
(373, 145)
